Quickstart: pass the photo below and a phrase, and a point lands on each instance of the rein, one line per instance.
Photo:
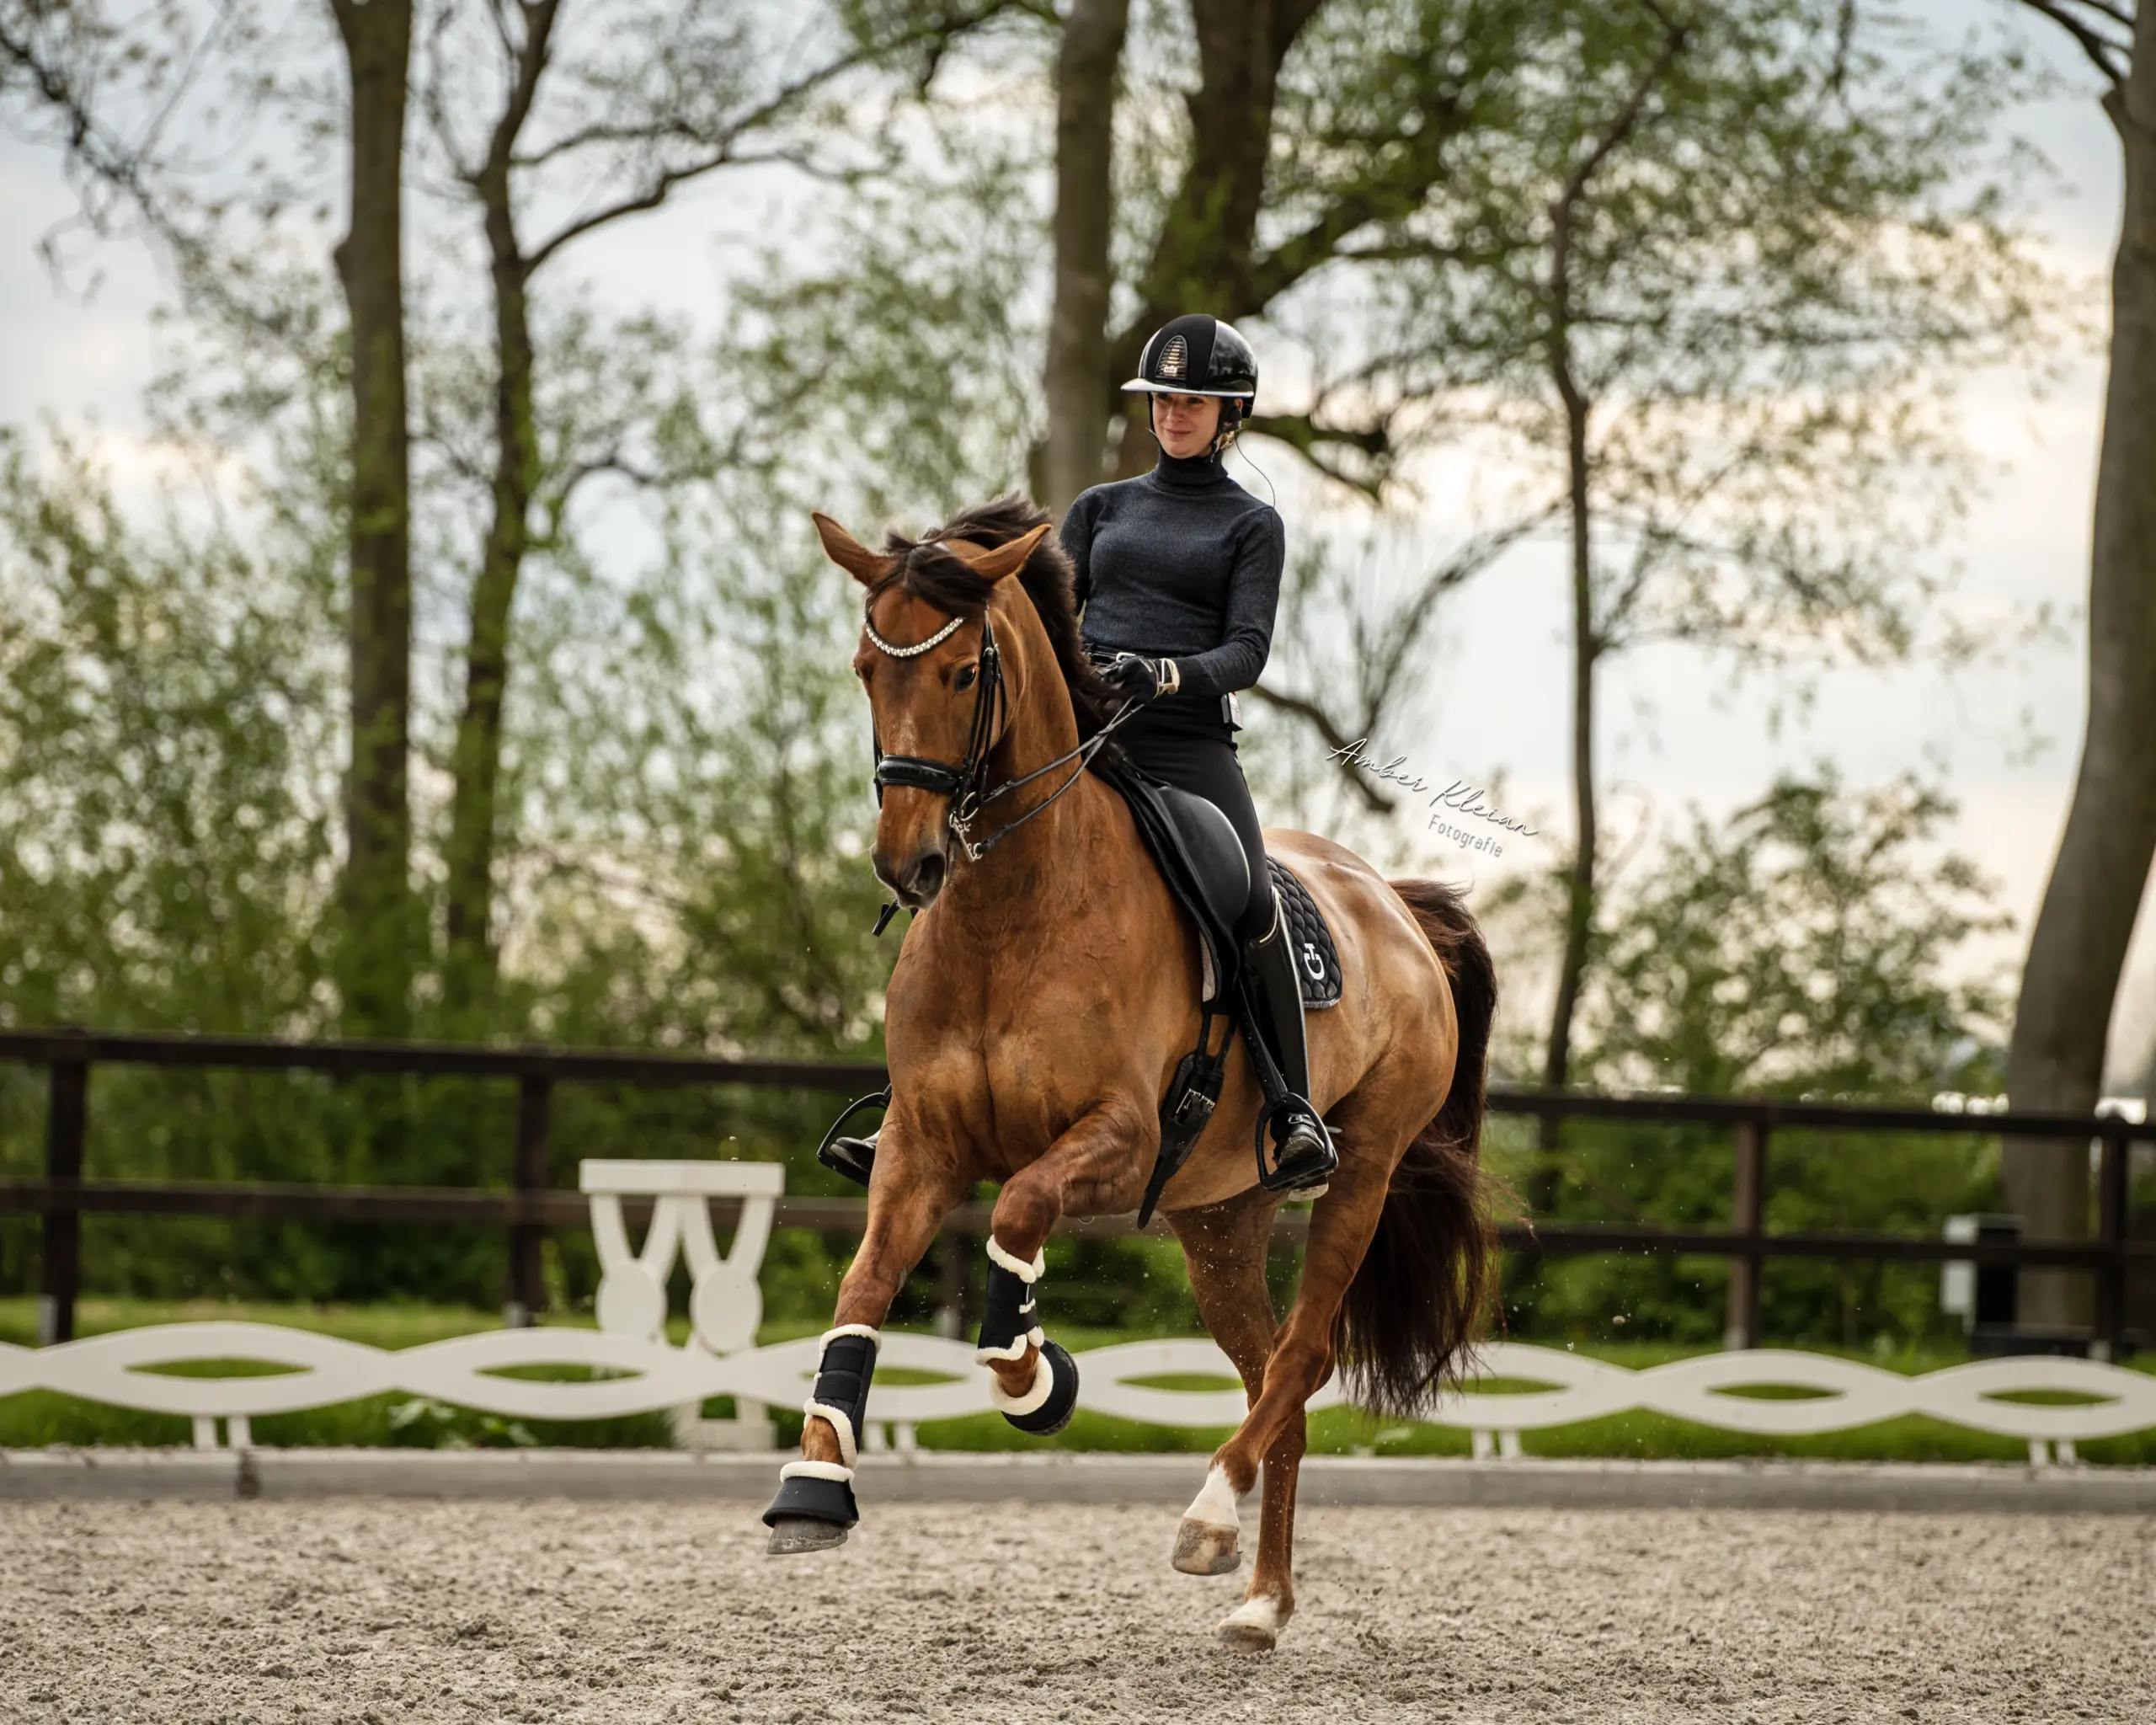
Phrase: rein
(966, 784)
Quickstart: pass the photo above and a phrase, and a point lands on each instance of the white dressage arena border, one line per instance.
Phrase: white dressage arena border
(634, 1375)
(631, 1369)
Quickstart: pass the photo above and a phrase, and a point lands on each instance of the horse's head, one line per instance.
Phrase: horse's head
(920, 660)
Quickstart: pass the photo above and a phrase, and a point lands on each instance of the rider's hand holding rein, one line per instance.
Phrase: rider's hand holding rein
(1141, 679)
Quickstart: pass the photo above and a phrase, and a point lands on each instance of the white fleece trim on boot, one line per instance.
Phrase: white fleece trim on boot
(830, 1336)
(841, 1422)
(1016, 1350)
(1017, 1266)
(816, 1470)
(1043, 1384)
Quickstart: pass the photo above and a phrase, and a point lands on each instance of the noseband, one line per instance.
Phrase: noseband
(966, 784)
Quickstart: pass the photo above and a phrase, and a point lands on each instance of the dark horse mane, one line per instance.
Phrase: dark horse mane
(928, 572)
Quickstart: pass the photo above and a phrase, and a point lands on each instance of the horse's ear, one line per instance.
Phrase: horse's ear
(849, 553)
(1003, 560)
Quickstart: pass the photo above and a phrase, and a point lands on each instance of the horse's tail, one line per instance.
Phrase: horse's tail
(1417, 1304)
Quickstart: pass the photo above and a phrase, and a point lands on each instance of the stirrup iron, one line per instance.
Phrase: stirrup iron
(853, 1157)
(1304, 1159)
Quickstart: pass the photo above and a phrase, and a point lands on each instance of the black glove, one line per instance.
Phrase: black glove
(1141, 679)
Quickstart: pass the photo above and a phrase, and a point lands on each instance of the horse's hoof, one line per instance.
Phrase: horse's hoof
(794, 1534)
(1252, 1627)
(1206, 1548)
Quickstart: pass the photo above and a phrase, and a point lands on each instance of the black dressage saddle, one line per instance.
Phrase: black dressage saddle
(1200, 857)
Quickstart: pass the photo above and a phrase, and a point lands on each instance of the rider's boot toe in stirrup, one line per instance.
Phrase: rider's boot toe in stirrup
(852, 1157)
(1303, 1154)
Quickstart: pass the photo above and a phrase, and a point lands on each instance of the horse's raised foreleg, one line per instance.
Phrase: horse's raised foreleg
(1099, 1165)
(1225, 1246)
(815, 1506)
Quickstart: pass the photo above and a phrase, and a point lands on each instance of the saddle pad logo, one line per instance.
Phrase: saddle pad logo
(1174, 357)
(1315, 953)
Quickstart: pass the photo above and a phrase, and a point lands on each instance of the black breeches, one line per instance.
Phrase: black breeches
(1201, 759)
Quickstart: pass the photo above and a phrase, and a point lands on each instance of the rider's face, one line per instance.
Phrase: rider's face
(1186, 424)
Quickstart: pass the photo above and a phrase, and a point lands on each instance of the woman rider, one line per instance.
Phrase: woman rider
(1179, 576)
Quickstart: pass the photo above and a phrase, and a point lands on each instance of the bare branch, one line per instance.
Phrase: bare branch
(1401, 632)
(1405, 628)
(722, 148)
(1302, 433)
(1324, 724)
(2115, 60)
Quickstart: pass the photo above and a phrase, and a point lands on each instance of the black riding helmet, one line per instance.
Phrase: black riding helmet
(1197, 354)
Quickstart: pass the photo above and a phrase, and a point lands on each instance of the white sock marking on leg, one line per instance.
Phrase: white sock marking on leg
(1262, 1611)
(1215, 1502)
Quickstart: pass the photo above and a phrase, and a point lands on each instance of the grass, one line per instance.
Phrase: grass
(36, 1418)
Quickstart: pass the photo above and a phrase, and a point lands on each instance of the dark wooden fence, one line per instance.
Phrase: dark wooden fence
(530, 1206)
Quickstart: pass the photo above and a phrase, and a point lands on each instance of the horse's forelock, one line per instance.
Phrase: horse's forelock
(928, 569)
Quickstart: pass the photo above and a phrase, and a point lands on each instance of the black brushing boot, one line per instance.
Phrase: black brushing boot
(1303, 1155)
(814, 1507)
(1009, 1323)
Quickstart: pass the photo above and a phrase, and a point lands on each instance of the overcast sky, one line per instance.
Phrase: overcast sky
(1676, 732)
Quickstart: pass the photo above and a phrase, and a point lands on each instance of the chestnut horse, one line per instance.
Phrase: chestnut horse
(1044, 996)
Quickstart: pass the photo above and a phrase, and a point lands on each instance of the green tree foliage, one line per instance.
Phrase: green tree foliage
(1766, 241)
(1806, 949)
(167, 729)
(1813, 946)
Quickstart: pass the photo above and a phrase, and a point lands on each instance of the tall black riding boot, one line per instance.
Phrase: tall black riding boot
(1303, 1154)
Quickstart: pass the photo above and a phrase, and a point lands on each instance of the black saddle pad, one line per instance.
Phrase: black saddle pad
(1317, 960)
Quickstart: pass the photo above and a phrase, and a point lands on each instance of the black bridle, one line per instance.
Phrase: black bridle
(966, 784)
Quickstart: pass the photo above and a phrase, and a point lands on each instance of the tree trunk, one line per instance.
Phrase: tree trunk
(2078, 946)
(379, 936)
(1579, 893)
(1078, 384)
(469, 961)
(1203, 260)
(1579, 898)
(1587, 644)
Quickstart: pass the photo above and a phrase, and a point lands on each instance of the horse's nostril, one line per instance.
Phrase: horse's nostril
(928, 877)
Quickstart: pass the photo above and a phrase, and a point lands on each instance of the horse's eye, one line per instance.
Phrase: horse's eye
(964, 679)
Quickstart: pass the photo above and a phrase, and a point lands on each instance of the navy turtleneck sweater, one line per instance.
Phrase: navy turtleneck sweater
(1181, 562)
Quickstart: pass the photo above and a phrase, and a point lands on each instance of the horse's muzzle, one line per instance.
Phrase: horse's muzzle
(917, 884)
